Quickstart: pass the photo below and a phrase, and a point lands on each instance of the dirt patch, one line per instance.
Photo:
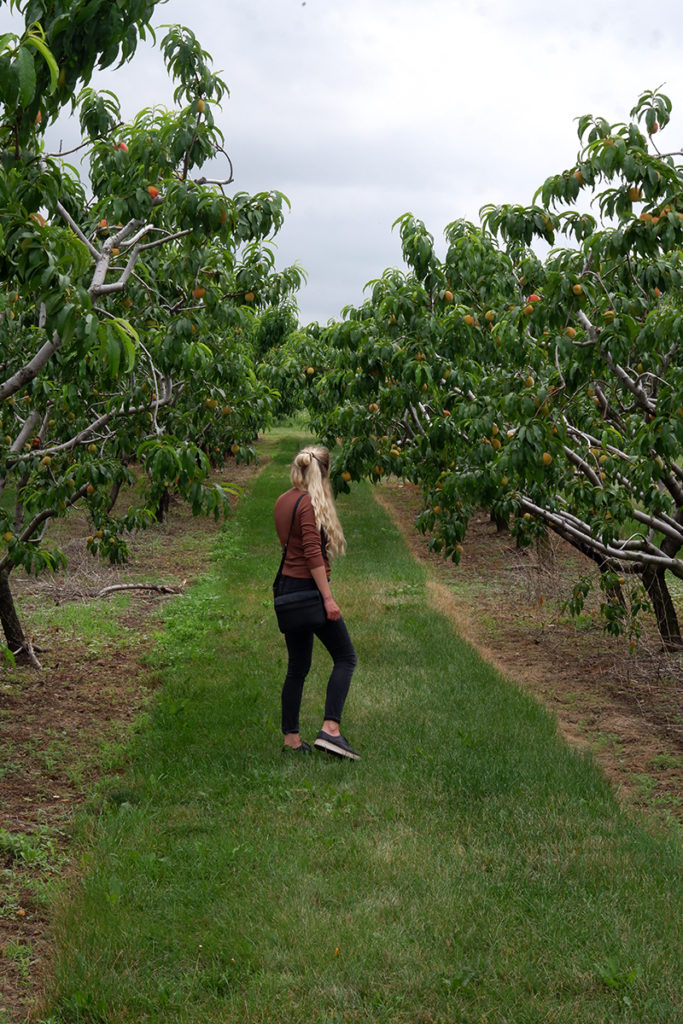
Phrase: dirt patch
(623, 703)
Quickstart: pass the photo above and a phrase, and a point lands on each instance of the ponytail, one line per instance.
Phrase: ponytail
(311, 472)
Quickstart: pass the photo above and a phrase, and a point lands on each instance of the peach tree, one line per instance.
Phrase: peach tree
(294, 365)
(130, 283)
(548, 391)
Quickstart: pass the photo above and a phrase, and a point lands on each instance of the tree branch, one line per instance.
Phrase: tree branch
(165, 239)
(64, 213)
(43, 516)
(31, 369)
(159, 588)
(97, 424)
(581, 464)
(644, 553)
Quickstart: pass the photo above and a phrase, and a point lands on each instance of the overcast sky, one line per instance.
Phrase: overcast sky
(360, 110)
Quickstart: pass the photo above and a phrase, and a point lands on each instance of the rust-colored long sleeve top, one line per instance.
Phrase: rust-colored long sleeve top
(304, 551)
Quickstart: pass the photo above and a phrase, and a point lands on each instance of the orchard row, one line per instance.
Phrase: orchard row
(549, 392)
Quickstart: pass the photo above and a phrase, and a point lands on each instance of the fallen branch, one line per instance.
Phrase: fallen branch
(159, 588)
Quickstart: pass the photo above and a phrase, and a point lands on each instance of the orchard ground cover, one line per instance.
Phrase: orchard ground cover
(426, 837)
(61, 728)
(622, 702)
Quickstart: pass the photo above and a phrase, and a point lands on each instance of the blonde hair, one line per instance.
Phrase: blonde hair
(311, 472)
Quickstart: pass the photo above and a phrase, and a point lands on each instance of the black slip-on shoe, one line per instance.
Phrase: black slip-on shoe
(337, 745)
(303, 748)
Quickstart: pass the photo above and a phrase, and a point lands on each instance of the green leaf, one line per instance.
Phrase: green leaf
(68, 324)
(34, 40)
(125, 330)
(26, 72)
(129, 338)
(110, 348)
(113, 355)
(91, 326)
(9, 84)
(5, 39)
(630, 166)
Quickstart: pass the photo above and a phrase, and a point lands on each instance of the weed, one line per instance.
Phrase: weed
(37, 849)
(665, 761)
(8, 767)
(21, 954)
(614, 975)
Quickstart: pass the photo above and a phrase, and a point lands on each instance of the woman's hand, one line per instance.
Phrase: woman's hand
(332, 610)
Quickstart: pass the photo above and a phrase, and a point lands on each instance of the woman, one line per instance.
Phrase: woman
(316, 538)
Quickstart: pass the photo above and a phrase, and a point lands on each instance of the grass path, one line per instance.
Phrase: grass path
(471, 868)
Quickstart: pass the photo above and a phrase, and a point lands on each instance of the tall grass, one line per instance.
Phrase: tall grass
(470, 868)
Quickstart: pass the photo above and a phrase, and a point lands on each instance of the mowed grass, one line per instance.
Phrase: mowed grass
(471, 868)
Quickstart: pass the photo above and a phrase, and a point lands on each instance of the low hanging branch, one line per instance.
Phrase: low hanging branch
(96, 425)
(638, 550)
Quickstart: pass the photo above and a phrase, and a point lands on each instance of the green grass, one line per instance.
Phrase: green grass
(94, 625)
(470, 868)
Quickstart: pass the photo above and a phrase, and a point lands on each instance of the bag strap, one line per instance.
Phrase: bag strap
(284, 549)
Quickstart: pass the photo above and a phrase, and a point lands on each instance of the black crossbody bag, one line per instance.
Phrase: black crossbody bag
(302, 609)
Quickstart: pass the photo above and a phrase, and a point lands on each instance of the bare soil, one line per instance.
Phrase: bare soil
(62, 726)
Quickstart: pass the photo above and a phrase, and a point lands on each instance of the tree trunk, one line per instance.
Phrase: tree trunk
(501, 522)
(163, 505)
(114, 493)
(19, 510)
(113, 496)
(654, 582)
(14, 634)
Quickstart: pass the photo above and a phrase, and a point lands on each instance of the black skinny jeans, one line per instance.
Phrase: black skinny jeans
(335, 637)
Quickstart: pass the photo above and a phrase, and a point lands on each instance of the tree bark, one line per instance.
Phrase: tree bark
(113, 496)
(163, 505)
(114, 493)
(14, 634)
(501, 521)
(654, 581)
